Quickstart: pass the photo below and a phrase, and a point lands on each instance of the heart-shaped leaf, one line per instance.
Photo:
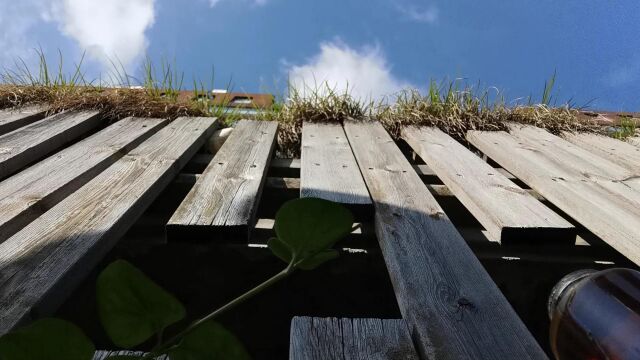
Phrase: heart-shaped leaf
(318, 259)
(209, 341)
(280, 249)
(46, 339)
(309, 226)
(131, 306)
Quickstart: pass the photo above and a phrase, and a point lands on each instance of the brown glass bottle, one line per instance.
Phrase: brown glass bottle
(596, 315)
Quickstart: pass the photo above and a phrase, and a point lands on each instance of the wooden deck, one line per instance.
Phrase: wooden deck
(434, 208)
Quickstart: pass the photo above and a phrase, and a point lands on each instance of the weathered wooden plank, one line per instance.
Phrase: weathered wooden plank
(350, 339)
(507, 211)
(328, 169)
(453, 308)
(28, 194)
(12, 119)
(41, 264)
(619, 152)
(27, 144)
(567, 158)
(599, 201)
(224, 199)
(106, 354)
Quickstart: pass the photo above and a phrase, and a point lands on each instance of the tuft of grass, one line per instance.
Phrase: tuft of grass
(314, 104)
(626, 129)
(157, 94)
(456, 108)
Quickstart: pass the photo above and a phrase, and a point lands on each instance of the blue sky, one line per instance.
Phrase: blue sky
(377, 46)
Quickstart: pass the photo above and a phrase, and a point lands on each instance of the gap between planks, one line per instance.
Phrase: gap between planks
(42, 264)
(223, 202)
(28, 194)
(507, 211)
(585, 186)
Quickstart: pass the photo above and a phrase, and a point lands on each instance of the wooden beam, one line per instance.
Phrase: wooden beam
(507, 211)
(617, 151)
(590, 194)
(12, 119)
(328, 169)
(110, 354)
(30, 143)
(42, 264)
(28, 194)
(223, 202)
(453, 308)
(349, 339)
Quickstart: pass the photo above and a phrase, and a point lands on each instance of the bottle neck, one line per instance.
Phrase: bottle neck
(564, 286)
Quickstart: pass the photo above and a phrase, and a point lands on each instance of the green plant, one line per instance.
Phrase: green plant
(133, 309)
(626, 129)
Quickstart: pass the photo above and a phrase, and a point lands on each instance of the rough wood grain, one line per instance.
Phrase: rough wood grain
(453, 308)
(27, 144)
(617, 151)
(106, 354)
(12, 119)
(224, 199)
(597, 199)
(507, 211)
(328, 169)
(567, 158)
(350, 339)
(41, 264)
(28, 194)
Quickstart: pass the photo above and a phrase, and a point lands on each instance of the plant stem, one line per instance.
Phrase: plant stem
(158, 350)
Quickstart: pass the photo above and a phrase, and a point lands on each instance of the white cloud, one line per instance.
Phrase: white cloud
(365, 73)
(106, 29)
(428, 14)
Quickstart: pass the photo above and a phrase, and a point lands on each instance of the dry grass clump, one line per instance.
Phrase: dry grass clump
(114, 104)
(455, 111)
(321, 104)
(156, 95)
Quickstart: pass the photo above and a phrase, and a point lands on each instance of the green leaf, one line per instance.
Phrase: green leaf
(131, 306)
(280, 249)
(209, 341)
(314, 261)
(46, 339)
(309, 226)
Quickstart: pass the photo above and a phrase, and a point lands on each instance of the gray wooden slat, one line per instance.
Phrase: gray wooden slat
(27, 144)
(105, 354)
(41, 264)
(31, 192)
(566, 158)
(328, 169)
(507, 211)
(453, 308)
(619, 152)
(12, 119)
(350, 339)
(224, 199)
(600, 201)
